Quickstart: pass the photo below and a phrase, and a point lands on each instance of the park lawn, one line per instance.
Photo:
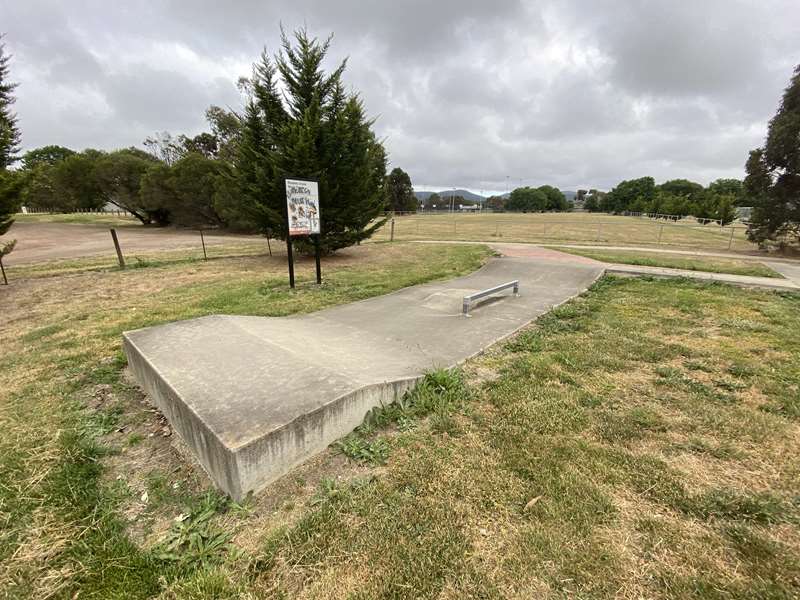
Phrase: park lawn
(68, 415)
(105, 219)
(571, 227)
(638, 441)
(711, 264)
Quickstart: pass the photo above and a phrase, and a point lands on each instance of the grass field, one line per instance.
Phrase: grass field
(110, 219)
(710, 264)
(639, 441)
(586, 228)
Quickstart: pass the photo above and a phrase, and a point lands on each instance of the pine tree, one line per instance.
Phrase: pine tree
(299, 122)
(773, 174)
(10, 182)
(9, 133)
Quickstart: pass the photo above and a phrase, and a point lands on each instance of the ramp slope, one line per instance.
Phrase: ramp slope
(254, 396)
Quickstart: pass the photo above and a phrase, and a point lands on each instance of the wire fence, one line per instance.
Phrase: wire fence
(35, 210)
(585, 228)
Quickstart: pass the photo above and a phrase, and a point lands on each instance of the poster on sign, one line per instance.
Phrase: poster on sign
(302, 207)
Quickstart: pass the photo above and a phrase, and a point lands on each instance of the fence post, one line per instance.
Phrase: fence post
(119, 250)
(203, 241)
(730, 240)
(3, 269)
(391, 235)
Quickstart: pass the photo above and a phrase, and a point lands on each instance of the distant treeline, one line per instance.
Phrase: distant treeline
(677, 197)
(297, 121)
(178, 180)
(531, 199)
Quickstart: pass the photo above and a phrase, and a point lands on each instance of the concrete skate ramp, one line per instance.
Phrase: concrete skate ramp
(254, 396)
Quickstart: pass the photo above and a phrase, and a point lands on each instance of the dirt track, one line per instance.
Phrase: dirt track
(41, 242)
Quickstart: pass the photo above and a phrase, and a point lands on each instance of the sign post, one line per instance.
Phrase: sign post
(302, 218)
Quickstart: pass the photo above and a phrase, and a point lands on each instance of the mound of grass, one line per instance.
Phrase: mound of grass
(709, 264)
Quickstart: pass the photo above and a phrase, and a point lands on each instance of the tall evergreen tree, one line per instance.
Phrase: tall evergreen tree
(773, 174)
(299, 122)
(9, 133)
(10, 187)
(10, 182)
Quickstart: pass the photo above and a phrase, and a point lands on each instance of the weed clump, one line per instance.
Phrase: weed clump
(193, 538)
(438, 394)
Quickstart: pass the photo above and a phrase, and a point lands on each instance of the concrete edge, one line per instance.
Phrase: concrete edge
(333, 414)
(216, 459)
(764, 283)
(257, 463)
(261, 461)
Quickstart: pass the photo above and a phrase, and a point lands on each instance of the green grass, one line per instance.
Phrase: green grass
(709, 264)
(62, 529)
(598, 462)
(639, 441)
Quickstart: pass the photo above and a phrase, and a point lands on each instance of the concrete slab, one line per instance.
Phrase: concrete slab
(254, 396)
(748, 281)
(790, 270)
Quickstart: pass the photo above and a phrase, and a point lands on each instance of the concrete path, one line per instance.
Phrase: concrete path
(789, 268)
(755, 255)
(771, 283)
(254, 396)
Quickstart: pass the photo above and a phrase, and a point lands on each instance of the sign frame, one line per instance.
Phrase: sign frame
(310, 221)
(302, 206)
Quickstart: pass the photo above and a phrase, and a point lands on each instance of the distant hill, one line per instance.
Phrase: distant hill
(466, 194)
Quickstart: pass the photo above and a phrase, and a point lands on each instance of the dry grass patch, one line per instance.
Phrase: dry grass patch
(90, 478)
(638, 441)
(581, 228)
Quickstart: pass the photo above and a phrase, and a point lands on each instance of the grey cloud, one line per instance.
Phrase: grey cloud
(160, 99)
(470, 93)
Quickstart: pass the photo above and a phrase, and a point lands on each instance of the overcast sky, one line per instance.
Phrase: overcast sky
(481, 94)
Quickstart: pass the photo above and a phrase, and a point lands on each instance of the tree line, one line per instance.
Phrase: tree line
(522, 199)
(677, 197)
(297, 121)
(540, 199)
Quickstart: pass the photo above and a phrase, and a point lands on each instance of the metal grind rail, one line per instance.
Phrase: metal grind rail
(468, 300)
